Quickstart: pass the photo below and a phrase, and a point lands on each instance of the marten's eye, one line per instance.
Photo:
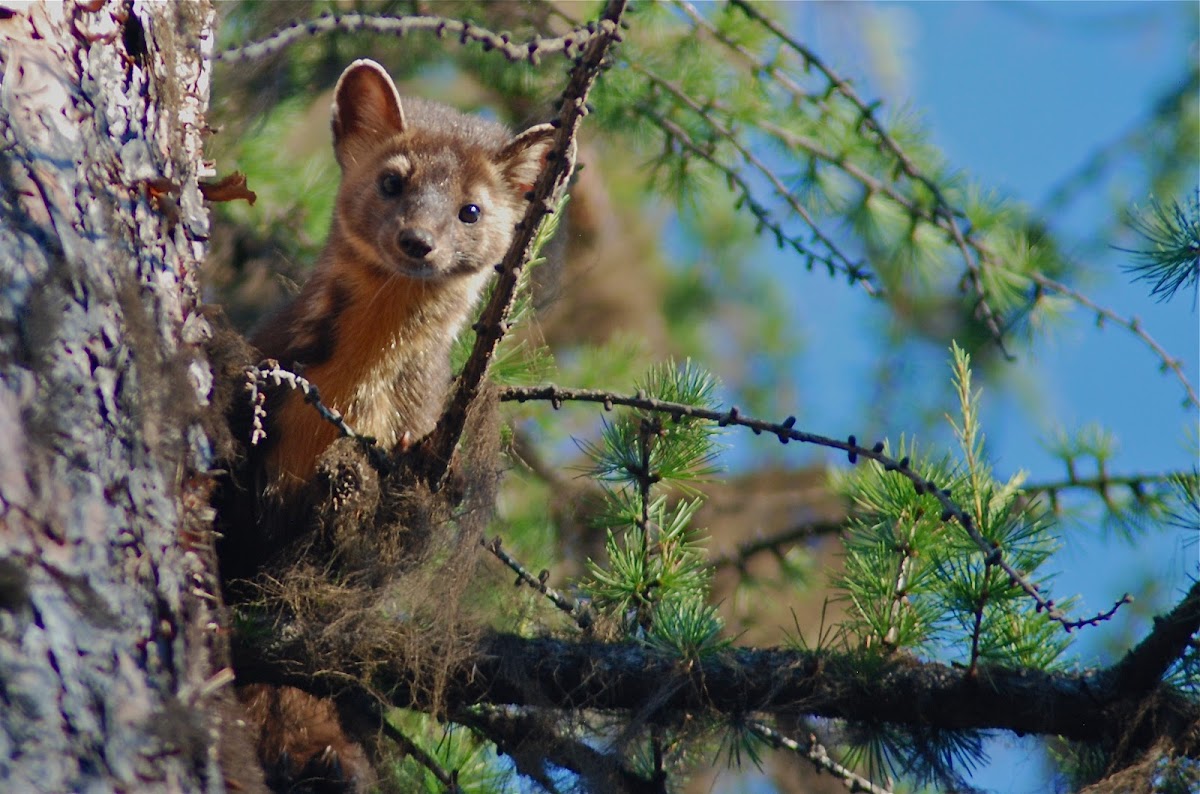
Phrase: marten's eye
(469, 213)
(391, 184)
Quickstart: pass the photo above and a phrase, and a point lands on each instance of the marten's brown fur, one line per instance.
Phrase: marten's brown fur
(428, 203)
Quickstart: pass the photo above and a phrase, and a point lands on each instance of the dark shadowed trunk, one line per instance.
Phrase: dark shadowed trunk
(111, 652)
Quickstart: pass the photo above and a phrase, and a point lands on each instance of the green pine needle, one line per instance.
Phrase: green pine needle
(1170, 258)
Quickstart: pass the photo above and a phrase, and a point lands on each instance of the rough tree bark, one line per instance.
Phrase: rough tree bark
(110, 655)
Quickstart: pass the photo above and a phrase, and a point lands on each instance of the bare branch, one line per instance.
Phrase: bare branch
(409, 747)
(1143, 667)
(269, 371)
(819, 756)
(785, 431)
(577, 611)
(439, 447)
(529, 738)
(1102, 482)
(1131, 324)
(531, 51)
(774, 543)
(571, 675)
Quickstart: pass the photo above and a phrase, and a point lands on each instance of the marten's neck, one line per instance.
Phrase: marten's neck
(375, 344)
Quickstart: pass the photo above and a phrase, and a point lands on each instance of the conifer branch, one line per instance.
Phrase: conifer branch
(569, 675)
(976, 254)
(835, 260)
(785, 431)
(1137, 483)
(411, 748)
(1172, 259)
(531, 51)
(977, 621)
(495, 726)
(577, 611)
(513, 730)
(269, 372)
(1132, 324)
(774, 543)
(819, 756)
(438, 449)
(869, 120)
(1143, 667)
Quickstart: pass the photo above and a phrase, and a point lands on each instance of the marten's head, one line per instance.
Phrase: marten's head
(427, 192)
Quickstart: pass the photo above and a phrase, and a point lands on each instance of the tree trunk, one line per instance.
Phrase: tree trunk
(111, 658)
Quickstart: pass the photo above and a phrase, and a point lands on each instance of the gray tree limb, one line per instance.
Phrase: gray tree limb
(562, 674)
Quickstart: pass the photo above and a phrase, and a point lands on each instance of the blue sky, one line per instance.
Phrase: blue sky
(1019, 95)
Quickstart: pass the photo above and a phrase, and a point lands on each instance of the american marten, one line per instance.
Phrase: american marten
(427, 205)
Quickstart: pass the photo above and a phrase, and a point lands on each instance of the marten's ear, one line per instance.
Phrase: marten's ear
(366, 110)
(523, 158)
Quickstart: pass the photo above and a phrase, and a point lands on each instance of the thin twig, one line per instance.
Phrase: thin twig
(872, 184)
(977, 627)
(531, 51)
(870, 121)
(525, 452)
(270, 371)
(576, 610)
(1103, 481)
(835, 260)
(773, 543)
(647, 432)
(531, 737)
(817, 754)
(1132, 324)
(785, 431)
(409, 747)
(1143, 667)
(493, 322)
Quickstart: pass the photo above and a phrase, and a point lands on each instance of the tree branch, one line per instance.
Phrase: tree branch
(785, 431)
(529, 739)
(530, 51)
(575, 610)
(1131, 324)
(977, 256)
(834, 260)
(269, 373)
(867, 113)
(775, 543)
(1102, 482)
(569, 675)
(1143, 667)
(439, 447)
(411, 748)
(819, 756)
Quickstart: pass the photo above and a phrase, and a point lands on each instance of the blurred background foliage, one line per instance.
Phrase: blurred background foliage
(724, 157)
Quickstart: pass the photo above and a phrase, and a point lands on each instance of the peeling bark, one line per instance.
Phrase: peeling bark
(110, 658)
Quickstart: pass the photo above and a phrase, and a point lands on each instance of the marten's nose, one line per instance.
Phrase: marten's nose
(416, 243)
